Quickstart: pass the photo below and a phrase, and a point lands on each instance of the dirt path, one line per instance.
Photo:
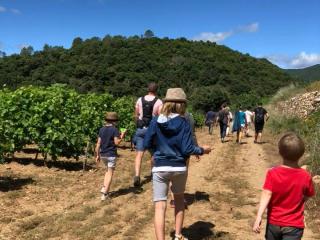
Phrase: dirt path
(223, 191)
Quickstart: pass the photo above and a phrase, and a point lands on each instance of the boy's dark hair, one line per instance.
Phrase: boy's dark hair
(152, 87)
(291, 147)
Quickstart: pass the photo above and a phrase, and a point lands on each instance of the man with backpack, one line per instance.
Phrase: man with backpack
(260, 117)
(223, 119)
(146, 108)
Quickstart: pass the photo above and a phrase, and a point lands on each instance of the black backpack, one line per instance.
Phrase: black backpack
(147, 110)
(259, 115)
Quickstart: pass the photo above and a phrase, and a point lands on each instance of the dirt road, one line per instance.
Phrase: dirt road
(63, 202)
(223, 190)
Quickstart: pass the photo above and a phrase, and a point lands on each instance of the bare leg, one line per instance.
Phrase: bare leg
(240, 135)
(159, 219)
(260, 137)
(108, 179)
(179, 212)
(139, 155)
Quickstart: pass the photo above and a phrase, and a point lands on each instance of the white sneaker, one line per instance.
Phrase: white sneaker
(103, 190)
(180, 237)
(104, 196)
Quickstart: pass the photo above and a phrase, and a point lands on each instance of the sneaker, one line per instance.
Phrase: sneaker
(103, 190)
(136, 181)
(181, 237)
(104, 196)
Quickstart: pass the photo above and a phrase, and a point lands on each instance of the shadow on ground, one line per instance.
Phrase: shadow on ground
(59, 164)
(197, 196)
(10, 184)
(203, 231)
(130, 189)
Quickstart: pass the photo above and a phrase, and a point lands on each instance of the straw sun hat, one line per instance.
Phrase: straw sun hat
(175, 95)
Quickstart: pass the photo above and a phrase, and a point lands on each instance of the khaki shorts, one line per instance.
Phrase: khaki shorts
(161, 181)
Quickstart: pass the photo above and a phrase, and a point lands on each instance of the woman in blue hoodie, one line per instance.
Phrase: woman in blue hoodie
(170, 136)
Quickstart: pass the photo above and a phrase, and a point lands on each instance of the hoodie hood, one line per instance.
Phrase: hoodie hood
(170, 125)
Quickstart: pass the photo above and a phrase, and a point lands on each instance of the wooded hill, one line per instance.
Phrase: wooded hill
(209, 73)
(308, 74)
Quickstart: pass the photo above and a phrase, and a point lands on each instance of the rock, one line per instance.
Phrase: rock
(317, 100)
(301, 105)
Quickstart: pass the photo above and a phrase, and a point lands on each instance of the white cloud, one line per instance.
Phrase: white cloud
(300, 60)
(221, 36)
(253, 27)
(15, 11)
(2, 9)
(213, 37)
(11, 10)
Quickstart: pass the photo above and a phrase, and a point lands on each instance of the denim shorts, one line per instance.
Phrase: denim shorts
(109, 162)
(274, 232)
(138, 138)
(161, 181)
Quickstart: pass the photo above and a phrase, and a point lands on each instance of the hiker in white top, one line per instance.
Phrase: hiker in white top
(146, 108)
(249, 117)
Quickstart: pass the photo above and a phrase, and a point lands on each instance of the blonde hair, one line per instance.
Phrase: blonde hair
(173, 107)
(291, 147)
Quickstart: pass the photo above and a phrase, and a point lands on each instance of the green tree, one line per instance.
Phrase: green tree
(148, 34)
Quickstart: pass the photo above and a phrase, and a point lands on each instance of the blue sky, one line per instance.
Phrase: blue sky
(287, 32)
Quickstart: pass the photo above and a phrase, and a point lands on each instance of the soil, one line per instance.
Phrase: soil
(63, 202)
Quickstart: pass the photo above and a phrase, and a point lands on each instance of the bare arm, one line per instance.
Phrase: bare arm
(136, 114)
(97, 150)
(117, 140)
(267, 116)
(264, 201)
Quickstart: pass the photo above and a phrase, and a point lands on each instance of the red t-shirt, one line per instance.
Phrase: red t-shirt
(289, 186)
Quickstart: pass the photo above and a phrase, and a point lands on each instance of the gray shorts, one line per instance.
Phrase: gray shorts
(109, 162)
(161, 181)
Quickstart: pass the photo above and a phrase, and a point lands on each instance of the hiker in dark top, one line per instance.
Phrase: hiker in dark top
(260, 117)
(223, 120)
(146, 108)
(210, 120)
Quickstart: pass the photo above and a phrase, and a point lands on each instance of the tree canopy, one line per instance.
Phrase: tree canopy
(124, 66)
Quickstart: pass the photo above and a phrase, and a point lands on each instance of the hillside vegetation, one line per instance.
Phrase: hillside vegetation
(123, 66)
(308, 74)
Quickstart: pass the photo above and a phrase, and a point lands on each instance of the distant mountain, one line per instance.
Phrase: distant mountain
(308, 74)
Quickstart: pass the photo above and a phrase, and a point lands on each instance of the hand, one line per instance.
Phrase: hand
(206, 149)
(123, 134)
(256, 226)
(97, 159)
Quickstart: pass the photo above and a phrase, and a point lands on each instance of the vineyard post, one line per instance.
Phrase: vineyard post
(86, 156)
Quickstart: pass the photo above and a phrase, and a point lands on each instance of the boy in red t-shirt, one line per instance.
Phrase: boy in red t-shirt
(286, 189)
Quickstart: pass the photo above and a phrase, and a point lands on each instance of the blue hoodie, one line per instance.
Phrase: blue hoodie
(171, 138)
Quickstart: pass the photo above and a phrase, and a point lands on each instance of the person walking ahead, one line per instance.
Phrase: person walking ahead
(172, 135)
(223, 119)
(260, 117)
(210, 120)
(146, 108)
